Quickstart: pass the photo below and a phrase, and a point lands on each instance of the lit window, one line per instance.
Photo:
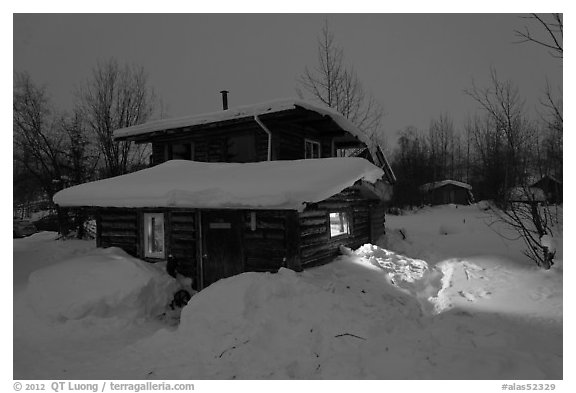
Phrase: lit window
(339, 224)
(311, 149)
(154, 235)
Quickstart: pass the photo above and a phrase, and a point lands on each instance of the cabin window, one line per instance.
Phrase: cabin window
(241, 148)
(311, 149)
(154, 235)
(339, 224)
(183, 151)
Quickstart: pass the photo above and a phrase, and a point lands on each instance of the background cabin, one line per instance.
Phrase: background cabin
(445, 192)
(551, 187)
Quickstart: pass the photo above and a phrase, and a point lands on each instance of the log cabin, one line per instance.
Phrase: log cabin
(445, 192)
(254, 188)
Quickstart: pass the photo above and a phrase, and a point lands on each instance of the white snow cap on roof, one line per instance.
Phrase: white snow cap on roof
(259, 185)
(240, 112)
(438, 184)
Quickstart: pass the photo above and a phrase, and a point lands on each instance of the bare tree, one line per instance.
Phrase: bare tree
(550, 36)
(505, 124)
(442, 142)
(116, 97)
(337, 86)
(533, 221)
(39, 143)
(547, 31)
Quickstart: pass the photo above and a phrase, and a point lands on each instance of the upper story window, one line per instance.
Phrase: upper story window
(179, 151)
(183, 151)
(241, 148)
(339, 223)
(311, 149)
(154, 235)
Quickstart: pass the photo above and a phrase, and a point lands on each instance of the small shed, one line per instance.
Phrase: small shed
(214, 220)
(551, 187)
(445, 192)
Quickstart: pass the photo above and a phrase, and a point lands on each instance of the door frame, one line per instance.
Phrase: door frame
(237, 223)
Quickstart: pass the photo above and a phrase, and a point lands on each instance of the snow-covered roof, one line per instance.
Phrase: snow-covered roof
(240, 112)
(259, 185)
(431, 186)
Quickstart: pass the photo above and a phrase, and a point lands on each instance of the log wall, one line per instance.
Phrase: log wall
(265, 246)
(118, 228)
(316, 245)
(211, 146)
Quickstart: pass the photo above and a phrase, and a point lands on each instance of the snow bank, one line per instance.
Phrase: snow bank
(260, 185)
(282, 326)
(105, 283)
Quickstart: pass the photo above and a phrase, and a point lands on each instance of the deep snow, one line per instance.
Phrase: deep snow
(445, 297)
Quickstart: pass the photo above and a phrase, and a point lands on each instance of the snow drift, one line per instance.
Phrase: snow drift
(283, 326)
(105, 283)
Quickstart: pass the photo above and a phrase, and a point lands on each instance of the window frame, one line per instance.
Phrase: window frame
(348, 213)
(312, 142)
(156, 255)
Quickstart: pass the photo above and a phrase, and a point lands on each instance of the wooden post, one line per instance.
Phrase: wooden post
(199, 251)
(293, 260)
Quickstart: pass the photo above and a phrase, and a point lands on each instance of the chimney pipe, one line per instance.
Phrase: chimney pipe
(224, 99)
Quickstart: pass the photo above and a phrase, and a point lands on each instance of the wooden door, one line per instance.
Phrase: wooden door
(222, 245)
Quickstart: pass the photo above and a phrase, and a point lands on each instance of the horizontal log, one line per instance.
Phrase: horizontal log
(183, 237)
(272, 254)
(117, 217)
(313, 230)
(312, 213)
(307, 251)
(118, 225)
(333, 205)
(188, 219)
(117, 242)
(320, 257)
(260, 224)
(177, 227)
(119, 233)
(313, 221)
(264, 243)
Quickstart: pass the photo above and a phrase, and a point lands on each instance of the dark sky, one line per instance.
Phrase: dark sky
(416, 65)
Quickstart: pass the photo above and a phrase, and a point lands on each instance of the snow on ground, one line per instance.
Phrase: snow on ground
(451, 300)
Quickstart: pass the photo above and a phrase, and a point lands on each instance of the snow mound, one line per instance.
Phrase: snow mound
(106, 283)
(282, 326)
